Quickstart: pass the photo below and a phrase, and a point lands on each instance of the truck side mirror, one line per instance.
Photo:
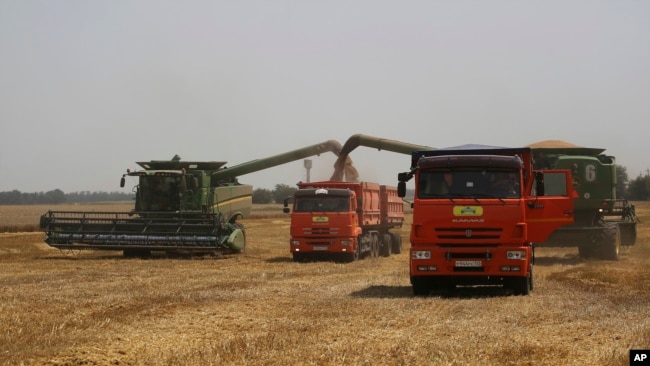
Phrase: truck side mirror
(122, 182)
(401, 189)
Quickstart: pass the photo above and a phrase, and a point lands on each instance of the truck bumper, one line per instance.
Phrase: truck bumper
(470, 264)
(323, 245)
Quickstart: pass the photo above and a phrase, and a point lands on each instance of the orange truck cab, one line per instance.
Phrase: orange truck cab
(476, 212)
(344, 220)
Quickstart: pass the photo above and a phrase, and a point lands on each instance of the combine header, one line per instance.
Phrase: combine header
(180, 207)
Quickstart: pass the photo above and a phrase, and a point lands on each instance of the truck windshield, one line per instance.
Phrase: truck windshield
(468, 182)
(322, 204)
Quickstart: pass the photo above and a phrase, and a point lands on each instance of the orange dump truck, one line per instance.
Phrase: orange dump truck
(344, 220)
(476, 212)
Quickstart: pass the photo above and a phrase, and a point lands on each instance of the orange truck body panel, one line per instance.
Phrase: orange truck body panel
(372, 209)
(472, 238)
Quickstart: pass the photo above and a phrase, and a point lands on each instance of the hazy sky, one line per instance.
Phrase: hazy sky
(89, 87)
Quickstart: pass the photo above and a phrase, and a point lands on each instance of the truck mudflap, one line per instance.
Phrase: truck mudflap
(141, 231)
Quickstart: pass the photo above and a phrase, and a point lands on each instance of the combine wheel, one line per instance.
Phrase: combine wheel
(628, 235)
(386, 246)
(610, 243)
(237, 240)
(586, 250)
(591, 247)
(396, 242)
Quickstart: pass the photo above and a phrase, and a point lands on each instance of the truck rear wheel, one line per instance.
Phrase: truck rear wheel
(386, 246)
(374, 247)
(396, 242)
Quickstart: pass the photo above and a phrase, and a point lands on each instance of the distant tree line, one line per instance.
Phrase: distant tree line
(637, 189)
(276, 195)
(57, 196)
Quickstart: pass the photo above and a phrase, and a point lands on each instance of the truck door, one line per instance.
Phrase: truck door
(547, 212)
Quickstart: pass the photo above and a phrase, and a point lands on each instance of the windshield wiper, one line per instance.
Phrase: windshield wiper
(485, 195)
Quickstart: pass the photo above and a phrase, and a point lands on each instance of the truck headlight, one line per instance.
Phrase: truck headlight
(346, 242)
(295, 242)
(421, 254)
(516, 254)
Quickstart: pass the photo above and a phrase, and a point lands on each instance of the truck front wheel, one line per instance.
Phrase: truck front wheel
(354, 256)
(521, 285)
(298, 257)
(420, 286)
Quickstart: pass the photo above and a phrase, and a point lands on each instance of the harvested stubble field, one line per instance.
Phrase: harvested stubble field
(260, 308)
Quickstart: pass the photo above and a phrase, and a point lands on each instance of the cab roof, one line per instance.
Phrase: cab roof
(470, 149)
(178, 165)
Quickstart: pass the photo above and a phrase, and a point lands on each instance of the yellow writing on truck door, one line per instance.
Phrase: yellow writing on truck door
(468, 211)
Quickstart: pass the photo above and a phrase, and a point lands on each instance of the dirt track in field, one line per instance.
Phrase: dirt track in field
(260, 308)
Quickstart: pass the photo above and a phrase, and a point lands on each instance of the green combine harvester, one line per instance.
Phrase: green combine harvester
(180, 207)
(603, 223)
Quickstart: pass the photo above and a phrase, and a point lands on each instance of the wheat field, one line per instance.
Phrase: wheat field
(260, 308)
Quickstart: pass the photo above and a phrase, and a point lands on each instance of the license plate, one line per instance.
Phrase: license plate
(469, 264)
(320, 248)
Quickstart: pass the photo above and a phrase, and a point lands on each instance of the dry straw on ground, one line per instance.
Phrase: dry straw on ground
(260, 308)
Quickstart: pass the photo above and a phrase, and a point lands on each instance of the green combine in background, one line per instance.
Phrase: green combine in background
(603, 222)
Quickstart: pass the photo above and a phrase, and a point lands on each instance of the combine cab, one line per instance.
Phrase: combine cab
(180, 207)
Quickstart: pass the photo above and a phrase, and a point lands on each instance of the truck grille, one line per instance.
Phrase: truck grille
(319, 243)
(468, 233)
(480, 255)
(320, 231)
